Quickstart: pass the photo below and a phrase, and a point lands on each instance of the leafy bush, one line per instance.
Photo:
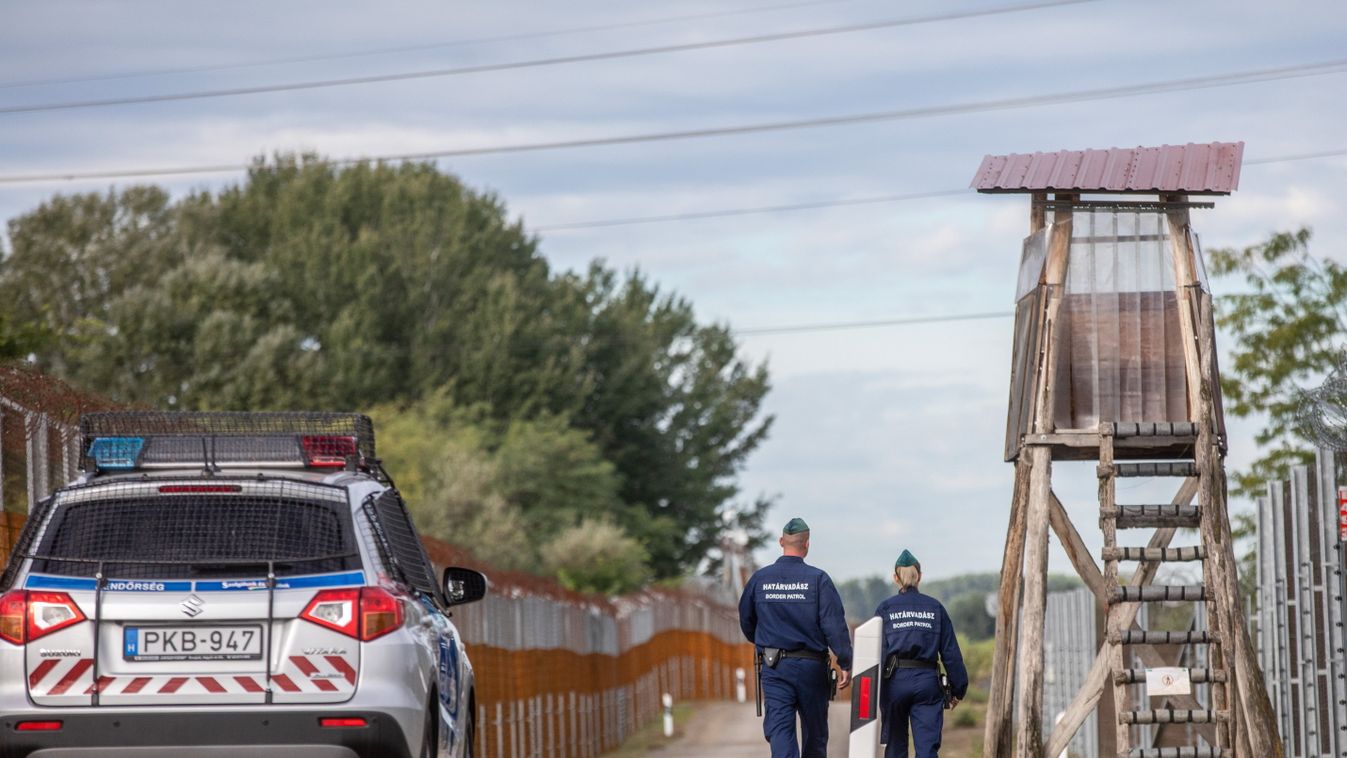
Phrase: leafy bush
(597, 556)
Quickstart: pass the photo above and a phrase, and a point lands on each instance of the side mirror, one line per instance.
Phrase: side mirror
(462, 585)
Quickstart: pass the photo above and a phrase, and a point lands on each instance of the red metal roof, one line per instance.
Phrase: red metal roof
(1211, 169)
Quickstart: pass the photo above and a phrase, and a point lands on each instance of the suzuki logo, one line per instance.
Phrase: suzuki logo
(192, 606)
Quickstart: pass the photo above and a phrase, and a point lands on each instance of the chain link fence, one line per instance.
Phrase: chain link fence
(569, 675)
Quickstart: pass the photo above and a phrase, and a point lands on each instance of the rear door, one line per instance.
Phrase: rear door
(186, 613)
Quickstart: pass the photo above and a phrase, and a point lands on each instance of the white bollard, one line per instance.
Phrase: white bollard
(668, 715)
(740, 689)
(866, 663)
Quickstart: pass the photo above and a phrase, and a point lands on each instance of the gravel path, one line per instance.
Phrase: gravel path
(730, 730)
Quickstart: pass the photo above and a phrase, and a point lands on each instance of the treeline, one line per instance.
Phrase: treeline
(585, 424)
(964, 596)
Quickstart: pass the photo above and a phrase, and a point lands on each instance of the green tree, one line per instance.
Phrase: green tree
(689, 411)
(310, 286)
(1288, 327)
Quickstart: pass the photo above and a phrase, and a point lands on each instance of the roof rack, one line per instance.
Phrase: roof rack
(128, 440)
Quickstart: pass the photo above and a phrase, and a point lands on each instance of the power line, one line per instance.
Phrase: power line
(827, 327)
(1062, 98)
(693, 215)
(515, 65)
(410, 48)
(819, 204)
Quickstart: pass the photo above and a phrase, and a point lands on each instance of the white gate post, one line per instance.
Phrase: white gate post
(865, 680)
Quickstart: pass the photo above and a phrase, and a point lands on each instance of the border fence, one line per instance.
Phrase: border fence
(1298, 621)
(559, 674)
(1070, 643)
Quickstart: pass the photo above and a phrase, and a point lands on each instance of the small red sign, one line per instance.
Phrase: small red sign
(1342, 514)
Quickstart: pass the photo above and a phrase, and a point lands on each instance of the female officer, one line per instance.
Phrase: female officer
(916, 630)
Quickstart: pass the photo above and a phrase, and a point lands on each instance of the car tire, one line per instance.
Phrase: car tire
(430, 733)
(470, 734)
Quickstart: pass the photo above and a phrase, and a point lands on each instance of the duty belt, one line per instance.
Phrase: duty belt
(893, 662)
(771, 655)
(810, 654)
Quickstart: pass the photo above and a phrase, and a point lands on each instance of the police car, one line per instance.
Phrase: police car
(230, 584)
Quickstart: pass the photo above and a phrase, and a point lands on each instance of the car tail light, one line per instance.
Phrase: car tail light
(13, 610)
(38, 726)
(344, 722)
(380, 613)
(335, 609)
(50, 612)
(327, 450)
(26, 616)
(364, 613)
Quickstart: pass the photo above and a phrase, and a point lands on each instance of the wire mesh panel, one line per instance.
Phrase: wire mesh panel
(403, 544)
(173, 529)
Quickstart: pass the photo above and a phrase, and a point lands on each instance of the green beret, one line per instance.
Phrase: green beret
(795, 526)
(906, 559)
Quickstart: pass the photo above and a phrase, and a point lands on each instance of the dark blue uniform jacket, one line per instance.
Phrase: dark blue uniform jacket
(794, 606)
(916, 627)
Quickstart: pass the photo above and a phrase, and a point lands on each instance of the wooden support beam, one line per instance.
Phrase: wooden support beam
(1185, 278)
(996, 736)
(1038, 212)
(1029, 685)
(1088, 696)
(1076, 551)
(1094, 580)
(1259, 720)
(1029, 690)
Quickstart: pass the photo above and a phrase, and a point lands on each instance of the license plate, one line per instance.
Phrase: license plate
(192, 643)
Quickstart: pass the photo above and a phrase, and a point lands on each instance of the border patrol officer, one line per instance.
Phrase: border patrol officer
(917, 630)
(793, 615)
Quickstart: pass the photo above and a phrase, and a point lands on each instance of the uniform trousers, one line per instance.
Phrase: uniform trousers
(913, 696)
(796, 686)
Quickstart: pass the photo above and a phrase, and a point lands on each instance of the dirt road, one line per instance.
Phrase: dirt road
(730, 730)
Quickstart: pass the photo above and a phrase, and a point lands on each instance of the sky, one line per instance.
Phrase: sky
(885, 437)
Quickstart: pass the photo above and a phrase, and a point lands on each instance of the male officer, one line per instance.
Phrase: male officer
(792, 614)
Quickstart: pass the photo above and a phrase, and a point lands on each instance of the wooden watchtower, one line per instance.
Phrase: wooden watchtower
(1114, 361)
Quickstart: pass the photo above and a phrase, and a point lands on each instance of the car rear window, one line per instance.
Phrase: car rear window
(179, 536)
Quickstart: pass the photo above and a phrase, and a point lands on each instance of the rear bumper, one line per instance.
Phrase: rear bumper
(205, 734)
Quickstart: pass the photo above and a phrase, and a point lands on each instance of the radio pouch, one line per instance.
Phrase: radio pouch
(771, 656)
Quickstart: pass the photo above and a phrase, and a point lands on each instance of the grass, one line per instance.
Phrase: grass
(962, 737)
(651, 736)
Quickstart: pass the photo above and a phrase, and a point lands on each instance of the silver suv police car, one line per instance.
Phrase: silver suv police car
(230, 584)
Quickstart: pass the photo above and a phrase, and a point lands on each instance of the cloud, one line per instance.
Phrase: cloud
(885, 435)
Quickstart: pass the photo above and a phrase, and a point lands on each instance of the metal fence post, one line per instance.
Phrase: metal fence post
(1332, 568)
(1304, 566)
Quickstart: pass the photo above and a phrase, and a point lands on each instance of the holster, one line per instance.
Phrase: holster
(771, 656)
(832, 683)
(944, 687)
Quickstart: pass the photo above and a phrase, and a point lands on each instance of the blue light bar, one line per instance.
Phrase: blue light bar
(116, 453)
